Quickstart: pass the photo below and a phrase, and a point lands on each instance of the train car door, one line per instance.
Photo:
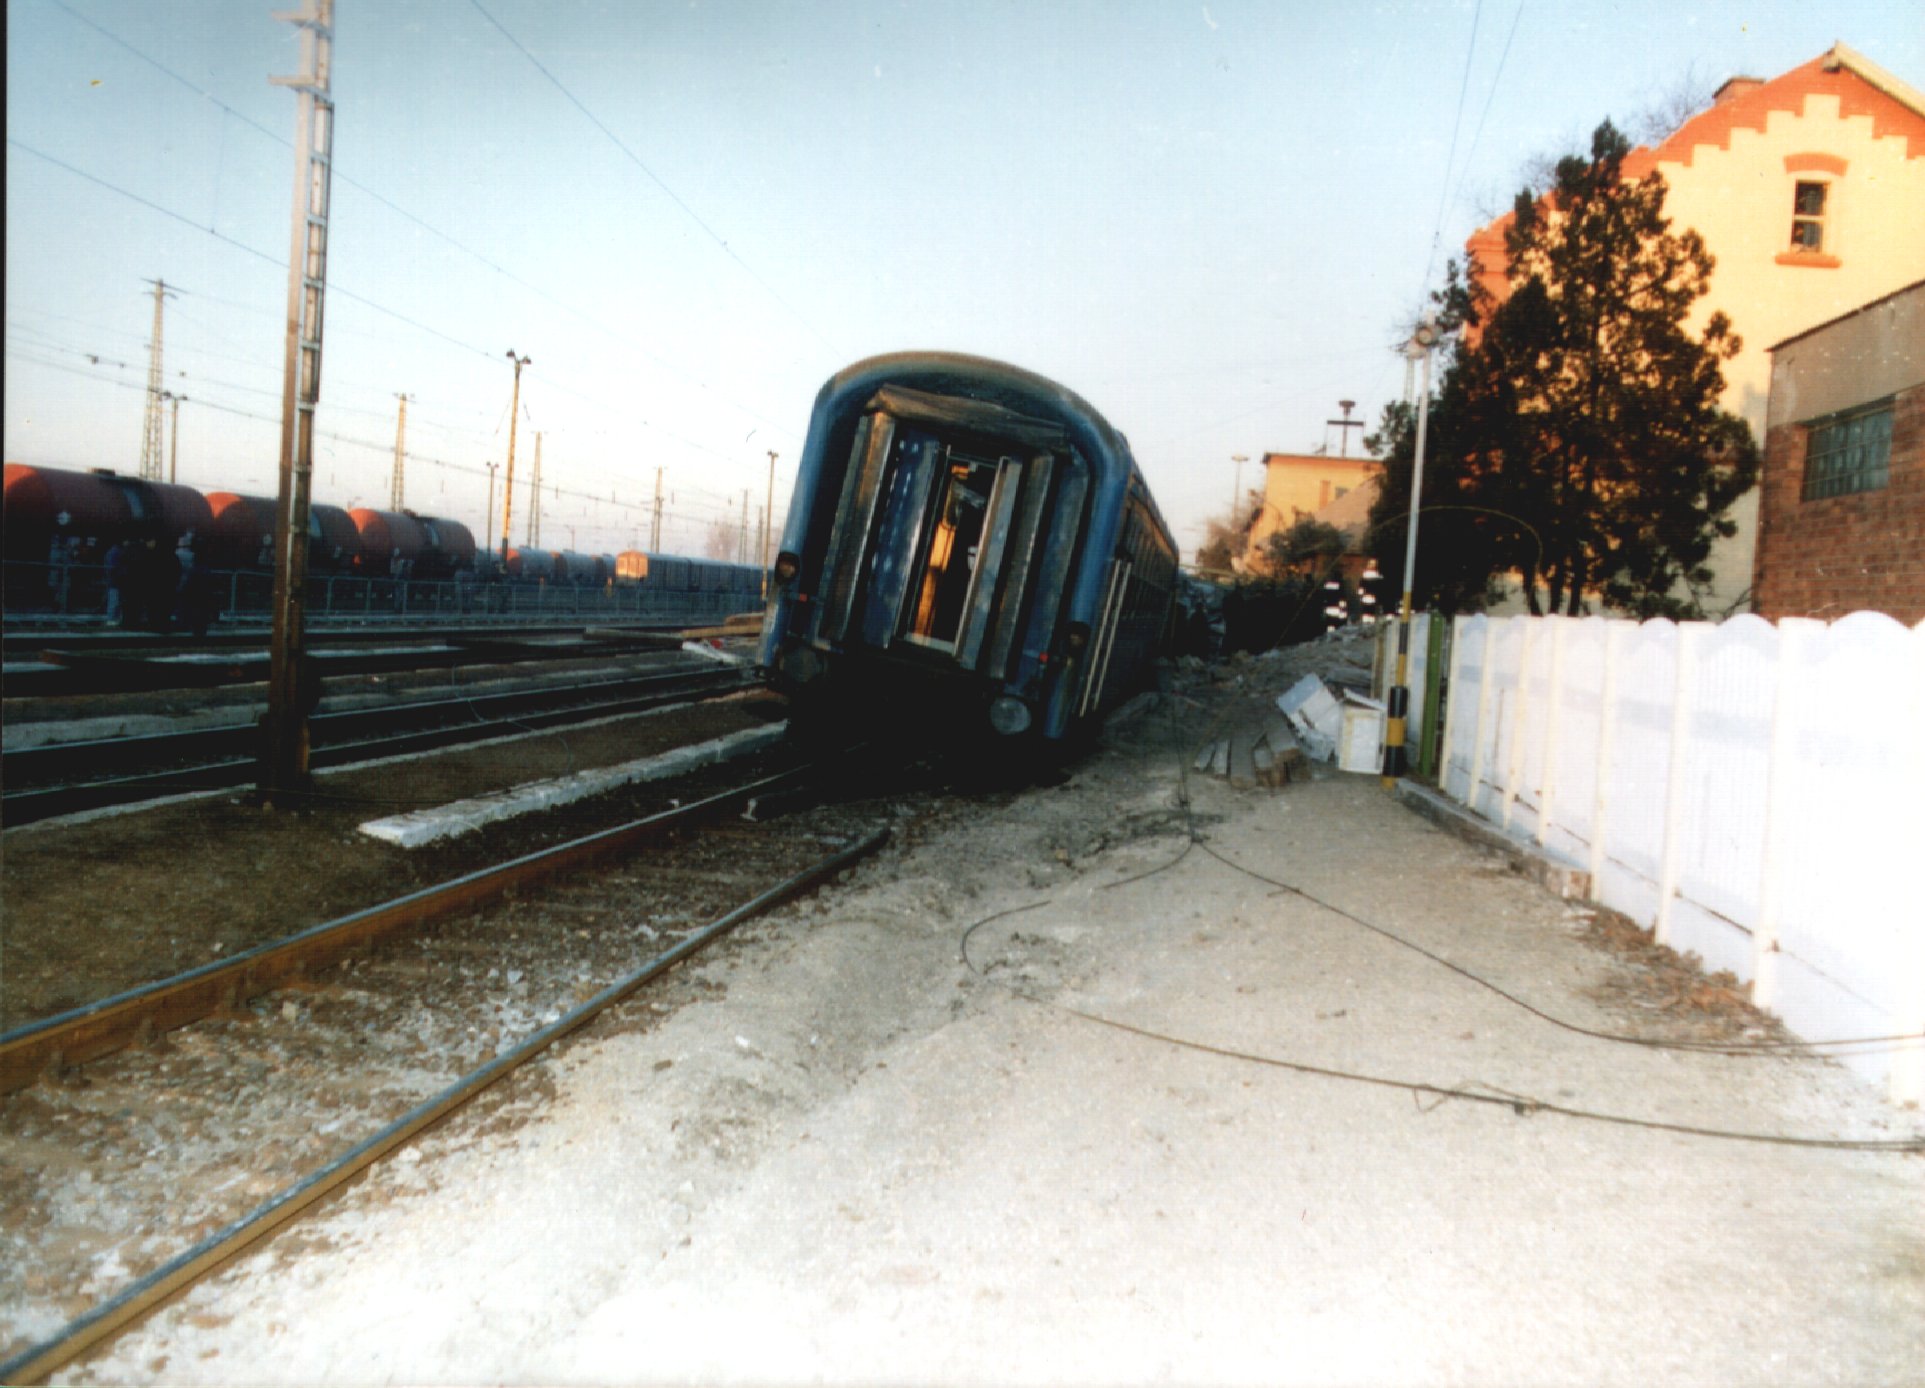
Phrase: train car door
(962, 552)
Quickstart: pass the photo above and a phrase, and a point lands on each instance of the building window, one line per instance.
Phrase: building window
(1808, 217)
(1848, 452)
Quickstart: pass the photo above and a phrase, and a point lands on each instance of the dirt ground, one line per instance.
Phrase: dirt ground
(1103, 1082)
(106, 902)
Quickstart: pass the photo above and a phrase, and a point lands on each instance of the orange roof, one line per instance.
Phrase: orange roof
(1862, 87)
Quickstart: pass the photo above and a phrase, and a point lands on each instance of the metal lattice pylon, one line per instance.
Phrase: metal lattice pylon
(150, 449)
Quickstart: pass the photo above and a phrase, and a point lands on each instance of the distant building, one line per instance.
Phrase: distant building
(1296, 485)
(1842, 493)
(1809, 190)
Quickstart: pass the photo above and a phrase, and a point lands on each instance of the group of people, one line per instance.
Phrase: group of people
(153, 588)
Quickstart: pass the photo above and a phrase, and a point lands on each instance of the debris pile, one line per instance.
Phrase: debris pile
(1266, 756)
(1323, 716)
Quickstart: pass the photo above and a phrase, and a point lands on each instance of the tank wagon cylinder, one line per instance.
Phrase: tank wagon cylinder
(333, 542)
(385, 537)
(240, 531)
(450, 545)
(532, 564)
(37, 499)
(99, 505)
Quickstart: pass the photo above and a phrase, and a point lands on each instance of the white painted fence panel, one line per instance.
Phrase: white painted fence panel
(1469, 656)
(1637, 775)
(1574, 737)
(1722, 784)
(1749, 791)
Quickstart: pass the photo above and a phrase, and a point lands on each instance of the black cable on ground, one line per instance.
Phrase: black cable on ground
(1523, 1105)
(1476, 1092)
(1857, 1044)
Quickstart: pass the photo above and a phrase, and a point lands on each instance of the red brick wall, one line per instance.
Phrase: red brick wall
(1845, 553)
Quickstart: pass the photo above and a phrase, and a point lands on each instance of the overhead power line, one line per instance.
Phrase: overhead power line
(1496, 81)
(346, 293)
(1450, 159)
(653, 177)
(715, 505)
(666, 363)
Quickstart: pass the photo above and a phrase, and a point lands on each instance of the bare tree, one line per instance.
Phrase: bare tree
(1666, 107)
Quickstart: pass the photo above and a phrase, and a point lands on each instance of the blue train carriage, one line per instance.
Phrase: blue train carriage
(970, 547)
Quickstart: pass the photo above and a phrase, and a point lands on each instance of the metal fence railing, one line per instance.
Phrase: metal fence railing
(79, 595)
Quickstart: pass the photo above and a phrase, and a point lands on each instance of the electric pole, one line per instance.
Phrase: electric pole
(291, 690)
(508, 482)
(1344, 426)
(655, 528)
(534, 499)
(768, 526)
(1236, 494)
(743, 556)
(768, 515)
(150, 432)
(1396, 759)
(490, 511)
(173, 444)
(396, 490)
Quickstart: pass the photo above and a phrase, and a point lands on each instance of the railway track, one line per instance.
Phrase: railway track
(64, 778)
(212, 1108)
(122, 665)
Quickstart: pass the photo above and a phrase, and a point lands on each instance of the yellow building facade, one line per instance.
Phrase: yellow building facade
(1809, 190)
(1296, 485)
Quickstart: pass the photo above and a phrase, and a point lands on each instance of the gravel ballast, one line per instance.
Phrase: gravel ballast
(850, 1153)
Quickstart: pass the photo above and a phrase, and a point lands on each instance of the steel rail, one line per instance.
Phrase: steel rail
(69, 673)
(340, 738)
(20, 643)
(111, 1024)
(35, 1363)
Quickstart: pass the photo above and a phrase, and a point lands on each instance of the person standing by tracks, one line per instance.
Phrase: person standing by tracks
(117, 573)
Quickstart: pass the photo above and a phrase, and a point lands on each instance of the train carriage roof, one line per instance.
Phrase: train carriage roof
(982, 394)
(1036, 402)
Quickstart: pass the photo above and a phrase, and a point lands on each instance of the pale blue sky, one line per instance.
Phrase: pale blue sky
(1212, 220)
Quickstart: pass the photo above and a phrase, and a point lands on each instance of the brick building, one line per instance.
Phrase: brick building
(1842, 491)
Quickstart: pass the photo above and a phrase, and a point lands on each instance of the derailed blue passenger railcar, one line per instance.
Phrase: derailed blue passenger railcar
(970, 546)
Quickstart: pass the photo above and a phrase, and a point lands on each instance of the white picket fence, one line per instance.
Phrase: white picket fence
(1753, 792)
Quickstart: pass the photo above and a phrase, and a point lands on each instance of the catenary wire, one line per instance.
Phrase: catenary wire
(344, 293)
(654, 177)
(666, 363)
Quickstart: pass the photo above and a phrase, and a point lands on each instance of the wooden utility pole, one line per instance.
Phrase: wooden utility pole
(291, 691)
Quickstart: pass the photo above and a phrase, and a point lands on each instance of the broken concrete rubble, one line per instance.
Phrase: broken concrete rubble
(1315, 714)
(1268, 755)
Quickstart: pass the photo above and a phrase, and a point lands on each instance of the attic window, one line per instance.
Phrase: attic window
(1849, 452)
(1808, 217)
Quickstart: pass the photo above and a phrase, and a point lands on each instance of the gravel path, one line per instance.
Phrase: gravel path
(849, 1156)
